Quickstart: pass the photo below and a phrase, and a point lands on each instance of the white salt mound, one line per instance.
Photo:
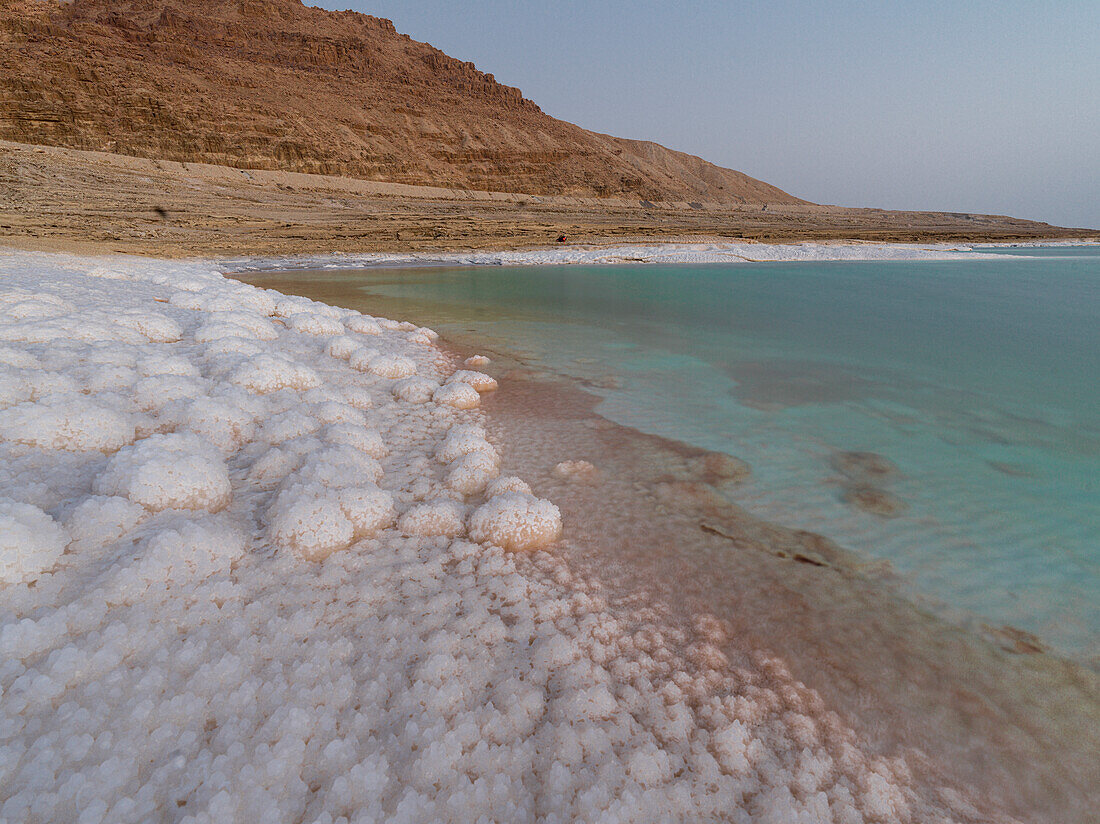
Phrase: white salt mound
(339, 465)
(168, 472)
(226, 423)
(415, 389)
(478, 380)
(310, 521)
(270, 373)
(153, 325)
(509, 483)
(516, 521)
(392, 366)
(342, 347)
(30, 541)
(236, 325)
(362, 356)
(368, 508)
(471, 473)
(458, 395)
(67, 422)
(365, 440)
(576, 471)
(363, 325)
(442, 517)
(477, 361)
(422, 336)
(463, 439)
(312, 323)
(98, 520)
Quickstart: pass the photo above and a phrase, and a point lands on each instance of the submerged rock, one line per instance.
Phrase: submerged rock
(874, 500)
(863, 465)
(715, 467)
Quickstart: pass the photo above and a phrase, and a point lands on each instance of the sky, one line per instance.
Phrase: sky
(966, 106)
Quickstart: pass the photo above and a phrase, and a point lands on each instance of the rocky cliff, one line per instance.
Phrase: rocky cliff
(274, 84)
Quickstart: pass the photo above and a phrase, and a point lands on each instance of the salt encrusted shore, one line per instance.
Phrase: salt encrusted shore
(669, 253)
(257, 563)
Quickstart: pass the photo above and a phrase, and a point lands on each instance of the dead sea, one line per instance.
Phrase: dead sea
(765, 607)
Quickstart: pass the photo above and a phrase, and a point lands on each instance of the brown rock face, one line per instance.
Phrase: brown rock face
(274, 84)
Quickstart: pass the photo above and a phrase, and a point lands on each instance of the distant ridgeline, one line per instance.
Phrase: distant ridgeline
(273, 84)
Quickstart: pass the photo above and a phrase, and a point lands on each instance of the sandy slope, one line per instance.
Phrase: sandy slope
(274, 84)
(65, 199)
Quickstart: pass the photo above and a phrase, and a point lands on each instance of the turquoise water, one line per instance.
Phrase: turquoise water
(978, 380)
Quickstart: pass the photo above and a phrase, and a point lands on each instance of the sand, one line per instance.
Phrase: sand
(97, 202)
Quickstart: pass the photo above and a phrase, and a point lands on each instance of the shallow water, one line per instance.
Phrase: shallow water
(977, 381)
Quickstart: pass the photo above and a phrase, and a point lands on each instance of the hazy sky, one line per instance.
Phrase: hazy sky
(960, 106)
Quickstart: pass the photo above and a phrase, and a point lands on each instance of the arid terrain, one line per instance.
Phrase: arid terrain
(270, 127)
(61, 199)
(274, 84)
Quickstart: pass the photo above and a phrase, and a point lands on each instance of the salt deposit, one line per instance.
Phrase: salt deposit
(415, 389)
(30, 541)
(725, 252)
(242, 592)
(176, 471)
(516, 521)
(576, 471)
(509, 483)
(459, 395)
(478, 380)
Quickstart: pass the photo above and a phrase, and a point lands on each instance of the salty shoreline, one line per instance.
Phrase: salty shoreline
(664, 253)
(641, 682)
(652, 525)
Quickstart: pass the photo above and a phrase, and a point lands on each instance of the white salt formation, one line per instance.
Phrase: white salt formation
(30, 541)
(576, 471)
(459, 395)
(478, 380)
(722, 252)
(168, 472)
(516, 521)
(234, 587)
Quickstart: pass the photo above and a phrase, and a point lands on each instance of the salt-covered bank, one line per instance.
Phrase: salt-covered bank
(666, 253)
(258, 563)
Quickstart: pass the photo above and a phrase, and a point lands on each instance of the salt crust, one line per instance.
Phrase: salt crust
(458, 395)
(728, 252)
(363, 325)
(509, 483)
(440, 517)
(391, 366)
(270, 373)
(313, 323)
(325, 647)
(30, 541)
(176, 471)
(415, 389)
(516, 521)
(576, 471)
(65, 421)
(478, 380)
(342, 347)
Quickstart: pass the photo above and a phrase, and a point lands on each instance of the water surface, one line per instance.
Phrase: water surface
(973, 385)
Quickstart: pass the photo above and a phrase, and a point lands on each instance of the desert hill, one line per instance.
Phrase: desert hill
(274, 84)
